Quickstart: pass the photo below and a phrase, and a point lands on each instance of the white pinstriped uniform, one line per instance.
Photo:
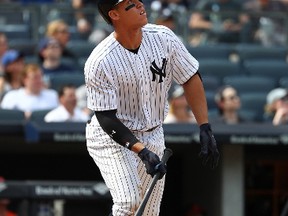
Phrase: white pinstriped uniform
(117, 78)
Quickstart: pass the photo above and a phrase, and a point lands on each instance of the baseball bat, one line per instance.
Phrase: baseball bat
(285, 209)
(167, 154)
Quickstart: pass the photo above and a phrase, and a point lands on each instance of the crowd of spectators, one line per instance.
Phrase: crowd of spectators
(32, 95)
(208, 22)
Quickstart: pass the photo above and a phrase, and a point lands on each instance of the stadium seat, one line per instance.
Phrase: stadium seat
(250, 116)
(273, 69)
(217, 51)
(57, 80)
(211, 83)
(210, 100)
(80, 48)
(26, 46)
(11, 115)
(8, 16)
(81, 62)
(254, 103)
(71, 62)
(283, 82)
(219, 68)
(247, 52)
(246, 84)
(38, 116)
(16, 31)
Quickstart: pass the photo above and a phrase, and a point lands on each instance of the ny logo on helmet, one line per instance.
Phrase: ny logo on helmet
(159, 71)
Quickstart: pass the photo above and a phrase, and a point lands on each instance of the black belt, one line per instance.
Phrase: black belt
(149, 130)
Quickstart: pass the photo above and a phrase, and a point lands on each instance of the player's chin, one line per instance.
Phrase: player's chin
(144, 21)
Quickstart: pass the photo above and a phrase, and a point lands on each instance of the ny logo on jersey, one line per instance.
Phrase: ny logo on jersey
(159, 71)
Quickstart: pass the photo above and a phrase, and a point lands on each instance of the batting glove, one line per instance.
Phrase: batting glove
(209, 152)
(152, 163)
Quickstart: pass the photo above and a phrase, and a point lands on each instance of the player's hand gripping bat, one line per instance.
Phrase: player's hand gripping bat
(167, 154)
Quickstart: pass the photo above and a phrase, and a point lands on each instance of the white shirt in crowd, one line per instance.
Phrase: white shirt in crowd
(60, 114)
(19, 100)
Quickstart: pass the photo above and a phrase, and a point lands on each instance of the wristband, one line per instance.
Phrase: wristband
(205, 126)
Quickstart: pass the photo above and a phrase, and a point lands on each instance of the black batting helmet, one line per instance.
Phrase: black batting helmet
(104, 6)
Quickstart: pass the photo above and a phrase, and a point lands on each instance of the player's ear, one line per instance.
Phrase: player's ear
(113, 14)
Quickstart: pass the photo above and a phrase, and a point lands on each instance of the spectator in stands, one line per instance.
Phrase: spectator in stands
(84, 24)
(270, 29)
(67, 109)
(33, 96)
(179, 111)
(13, 63)
(224, 22)
(59, 30)
(176, 6)
(3, 49)
(276, 108)
(50, 55)
(167, 19)
(228, 104)
(88, 25)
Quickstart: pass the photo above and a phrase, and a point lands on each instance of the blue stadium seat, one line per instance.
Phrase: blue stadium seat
(273, 69)
(11, 115)
(26, 46)
(246, 84)
(254, 103)
(80, 48)
(16, 31)
(10, 15)
(219, 68)
(283, 82)
(211, 83)
(81, 62)
(247, 52)
(57, 80)
(217, 51)
(210, 100)
(38, 115)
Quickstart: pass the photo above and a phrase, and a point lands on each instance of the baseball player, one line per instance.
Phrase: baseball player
(127, 77)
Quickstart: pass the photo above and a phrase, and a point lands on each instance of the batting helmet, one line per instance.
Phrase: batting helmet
(104, 6)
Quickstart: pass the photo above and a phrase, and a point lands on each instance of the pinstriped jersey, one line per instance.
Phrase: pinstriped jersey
(137, 84)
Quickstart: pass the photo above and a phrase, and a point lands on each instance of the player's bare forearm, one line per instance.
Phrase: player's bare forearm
(195, 96)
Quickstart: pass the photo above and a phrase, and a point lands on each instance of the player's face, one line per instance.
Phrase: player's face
(132, 13)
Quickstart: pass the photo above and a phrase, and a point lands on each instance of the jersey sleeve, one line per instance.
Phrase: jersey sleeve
(184, 64)
(101, 91)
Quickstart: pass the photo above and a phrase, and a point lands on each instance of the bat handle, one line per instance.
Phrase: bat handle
(167, 154)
